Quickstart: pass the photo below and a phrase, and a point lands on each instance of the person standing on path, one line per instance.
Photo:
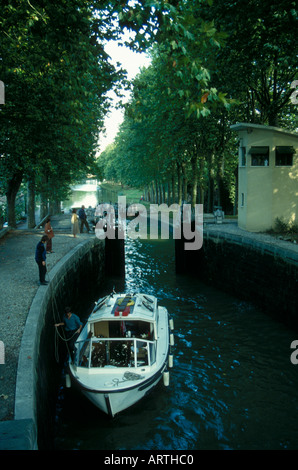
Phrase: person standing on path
(48, 230)
(83, 219)
(40, 258)
(75, 223)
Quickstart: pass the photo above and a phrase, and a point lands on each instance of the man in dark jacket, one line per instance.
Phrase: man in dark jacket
(83, 219)
(40, 258)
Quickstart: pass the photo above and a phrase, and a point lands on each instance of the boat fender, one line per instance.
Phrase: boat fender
(67, 381)
(171, 324)
(172, 341)
(171, 359)
(166, 378)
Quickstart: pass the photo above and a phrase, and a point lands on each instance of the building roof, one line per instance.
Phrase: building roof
(243, 126)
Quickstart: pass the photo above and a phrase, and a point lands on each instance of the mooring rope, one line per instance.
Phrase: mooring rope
(57, 319)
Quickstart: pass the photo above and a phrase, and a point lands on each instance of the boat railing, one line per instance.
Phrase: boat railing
(115, 352)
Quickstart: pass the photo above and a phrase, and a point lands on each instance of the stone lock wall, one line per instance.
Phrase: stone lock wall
(73, 279)
(264, 274)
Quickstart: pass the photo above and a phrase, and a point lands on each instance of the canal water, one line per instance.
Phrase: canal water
(233, 385)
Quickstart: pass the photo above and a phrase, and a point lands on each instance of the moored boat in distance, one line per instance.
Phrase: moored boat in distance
(123, 351)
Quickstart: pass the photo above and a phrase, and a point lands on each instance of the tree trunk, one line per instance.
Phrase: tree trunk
(210, 202)
(43, 206)
(152, 193)
(51, 207)
(201, 181)
(169, 191)
(57, 206)
(43, 199)
(179, 177)
(194, 165)
(31, 202)
(163, 193)
(184, 183)
(12, 189)
(156, 192)
(173, 189)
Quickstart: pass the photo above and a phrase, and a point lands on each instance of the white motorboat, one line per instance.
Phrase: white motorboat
(123, 351)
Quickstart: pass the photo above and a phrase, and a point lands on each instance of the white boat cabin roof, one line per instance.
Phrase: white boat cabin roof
(125, 307)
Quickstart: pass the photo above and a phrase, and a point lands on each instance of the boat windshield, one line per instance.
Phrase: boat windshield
(104, 352)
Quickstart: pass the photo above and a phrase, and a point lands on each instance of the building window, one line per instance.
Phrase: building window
(284, 156)
(242, 199)
(259, 156)
(242, 156)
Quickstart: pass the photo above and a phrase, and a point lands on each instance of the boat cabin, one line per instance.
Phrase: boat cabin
(119, 339)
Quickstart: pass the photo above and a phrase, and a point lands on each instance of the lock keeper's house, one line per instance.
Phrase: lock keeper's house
(268, 176)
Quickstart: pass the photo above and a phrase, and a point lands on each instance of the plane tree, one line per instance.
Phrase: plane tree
(56, 76)
(259, 61)
(213, 55)
(166, 138)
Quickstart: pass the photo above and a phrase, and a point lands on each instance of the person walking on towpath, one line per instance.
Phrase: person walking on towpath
(48, 230)
(40, 258)
(83, 219)
(75, 223)
(72, 327)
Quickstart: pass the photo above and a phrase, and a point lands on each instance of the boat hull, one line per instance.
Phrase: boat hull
(112, 402)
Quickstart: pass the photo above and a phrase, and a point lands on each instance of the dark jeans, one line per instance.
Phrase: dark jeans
(84, 222)
(71, 342)
(42, 271)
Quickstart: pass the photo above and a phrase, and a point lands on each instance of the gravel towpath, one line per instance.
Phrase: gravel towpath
(18, 285)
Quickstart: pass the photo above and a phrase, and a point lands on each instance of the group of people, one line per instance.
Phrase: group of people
(45, 245)
(75, 218)
(71, 322)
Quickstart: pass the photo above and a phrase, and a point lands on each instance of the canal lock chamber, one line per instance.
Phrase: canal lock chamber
(238, 266)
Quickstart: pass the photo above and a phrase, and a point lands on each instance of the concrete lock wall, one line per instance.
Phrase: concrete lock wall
(75, 277)
(264, 274)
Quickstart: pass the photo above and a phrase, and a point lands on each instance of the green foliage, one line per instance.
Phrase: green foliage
(283, 227)
(259, 60)
(56, 75)
(214, 63)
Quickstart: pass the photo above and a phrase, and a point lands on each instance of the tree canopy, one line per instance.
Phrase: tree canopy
(213, 62)
(217, 63)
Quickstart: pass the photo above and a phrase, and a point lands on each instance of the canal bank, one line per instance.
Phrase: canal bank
(26, 307)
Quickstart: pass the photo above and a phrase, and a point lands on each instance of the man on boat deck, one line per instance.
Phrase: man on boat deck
(72, 326)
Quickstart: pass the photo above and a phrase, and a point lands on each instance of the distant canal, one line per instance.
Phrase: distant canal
(232, 386)
(88, 194)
